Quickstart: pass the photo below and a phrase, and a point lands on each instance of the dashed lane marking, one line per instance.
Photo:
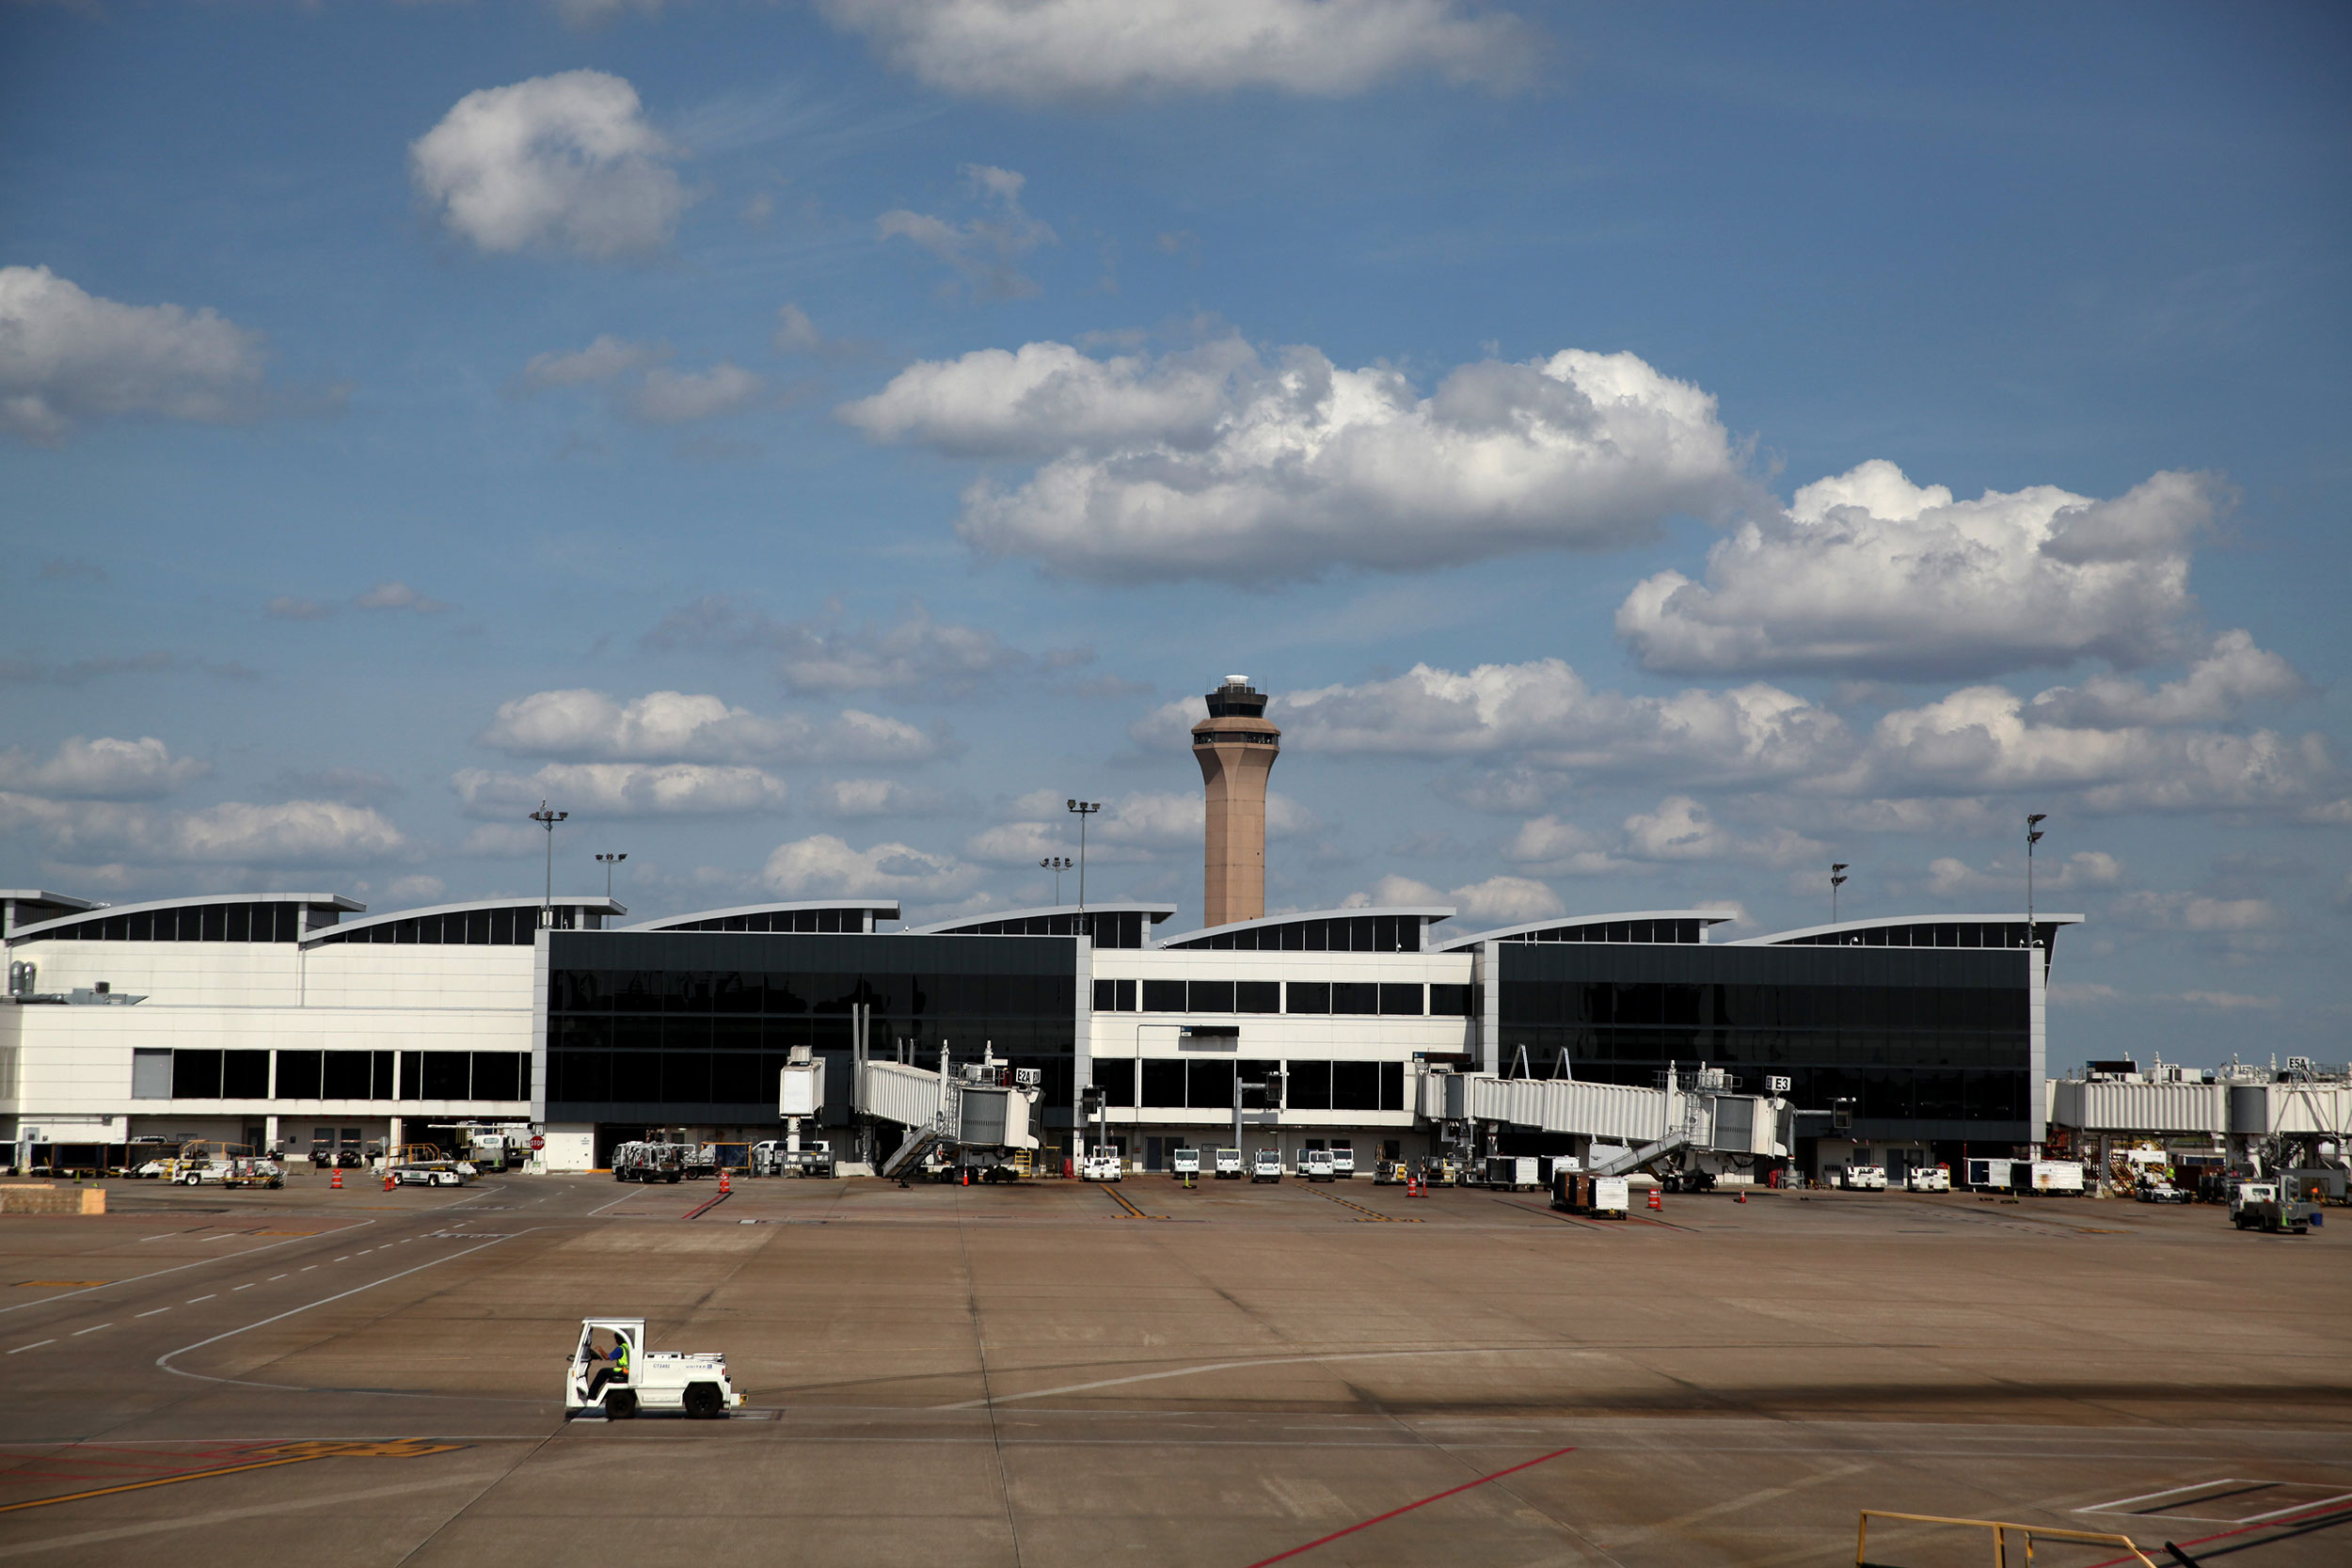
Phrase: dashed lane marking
(193, 1300)
(1368, 1213)
(59, 1284)
(35, 1345)
(151, 1314)
(284, 1453)
(92, 1329)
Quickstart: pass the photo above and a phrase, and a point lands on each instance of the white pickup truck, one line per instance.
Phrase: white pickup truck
(614, 1374)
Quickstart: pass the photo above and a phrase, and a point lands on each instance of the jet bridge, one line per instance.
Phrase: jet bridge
(976, 1110)
(1693, 1121)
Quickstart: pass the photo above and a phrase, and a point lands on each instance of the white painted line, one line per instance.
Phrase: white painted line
(1268, 1361)
(276, 1278)
(344, 1258)
(92, 1329)
(2167, 1491)
(158, 1309)
(35, 1345)
(2292, 1508)
(193, 1300)
(159, 1235)
(247, 1286)
(306, 1268)
(157, 1274)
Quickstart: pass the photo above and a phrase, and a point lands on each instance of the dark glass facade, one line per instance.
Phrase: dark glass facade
(1356, 933)
(239, 921)
(1917, 1043)
(661, 1027)
(514, 926)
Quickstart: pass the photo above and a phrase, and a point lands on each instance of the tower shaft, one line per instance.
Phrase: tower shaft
(1235, 748)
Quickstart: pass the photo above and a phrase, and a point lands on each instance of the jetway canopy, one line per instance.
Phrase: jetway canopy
(1613, 1113)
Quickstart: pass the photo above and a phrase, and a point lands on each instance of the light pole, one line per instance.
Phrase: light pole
(2033, 837)
(1057, 864)
(548, 819)
(1084, 809)
(1836, 880)
(609, 861)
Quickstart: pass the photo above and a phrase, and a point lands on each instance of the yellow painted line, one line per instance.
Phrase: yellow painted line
(1368, 1213)
(1133, 1213)
(289, 1453)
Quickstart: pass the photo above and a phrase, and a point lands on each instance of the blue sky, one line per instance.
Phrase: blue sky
(1648, 453)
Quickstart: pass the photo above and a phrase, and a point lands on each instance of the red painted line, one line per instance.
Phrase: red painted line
(2320, 1511)
(1434, 1497)
(704, 1209)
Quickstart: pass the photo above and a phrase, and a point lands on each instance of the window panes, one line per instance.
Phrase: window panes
(1307, 996)
(1162, 1084)
(245, 1075)
(1401, 1001)
(1257, 996)
(1209, 996)
(1352, 996)
(1163, 996)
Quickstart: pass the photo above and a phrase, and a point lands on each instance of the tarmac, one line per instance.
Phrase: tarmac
(1057, 1373)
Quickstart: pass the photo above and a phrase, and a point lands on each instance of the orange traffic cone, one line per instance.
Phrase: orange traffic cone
(723, 1188)
(1655, 1201)
(388, 1180)
(1743, 1194)
(336, 1182)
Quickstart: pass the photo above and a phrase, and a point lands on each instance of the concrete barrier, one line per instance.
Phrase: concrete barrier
(39, 1197)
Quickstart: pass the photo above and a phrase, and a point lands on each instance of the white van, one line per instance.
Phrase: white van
(1184, 1162)
(1228, 1165)
(1343, 1163)
(1315, 1164)
(1266, 1165)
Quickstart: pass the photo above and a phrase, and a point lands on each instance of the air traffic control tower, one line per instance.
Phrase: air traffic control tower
(1235, 748)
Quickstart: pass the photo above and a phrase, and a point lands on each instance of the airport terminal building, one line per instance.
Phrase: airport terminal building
(283, 1019)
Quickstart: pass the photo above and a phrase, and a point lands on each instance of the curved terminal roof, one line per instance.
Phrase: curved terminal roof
(449, 925)
(26, 906)
(1571, 928)
(972, 923)
(772, 918)
(1313, 930)
(145, 922)
(1919, 930)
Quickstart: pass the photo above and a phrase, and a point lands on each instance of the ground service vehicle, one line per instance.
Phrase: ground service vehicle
(1228, 1165)
(2266, 1206)
(1343, 1163)
(2058, 1176)
(1103, 1163)
(1930, 1178)
(1391, 1173)
(1514, 1173)
(1184, 1162)
(2155, 1189)
(1266, 1165)
(425, 1165)
(614, 1373)
(1863, 1179)
(1315, 1164)
(644, 1162)
(1577, 1192)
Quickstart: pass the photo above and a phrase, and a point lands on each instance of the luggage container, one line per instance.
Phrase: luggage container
(1514, 1173)
(1577, 1192)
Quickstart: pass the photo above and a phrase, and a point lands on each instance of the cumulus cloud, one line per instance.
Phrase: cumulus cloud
(416, 889)
(100, 769)
(1496, 901)
(602, 360)
(393, 594)
(1563, 848)
(288, 606)
(642, 385)
(1142, 825)
(504, 841)
(676, 727)
(1949, 878)
(1682, 830)
(666, 397)
(287, 834)
(1094, 51)
(826, 865)
(2191, 912)
(567, 161)
(1868, 574)
(878, 798)
(2229, 675)
(982, 250)
(1218, 464)
(624, 789)
(69, 357)
(918, 655)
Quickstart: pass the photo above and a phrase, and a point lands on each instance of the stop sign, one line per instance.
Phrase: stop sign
(537, 1142)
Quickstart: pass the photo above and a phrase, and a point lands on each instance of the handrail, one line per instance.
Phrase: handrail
(2000, 1536)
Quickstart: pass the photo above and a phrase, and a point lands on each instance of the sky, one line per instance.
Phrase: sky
(1648, 453)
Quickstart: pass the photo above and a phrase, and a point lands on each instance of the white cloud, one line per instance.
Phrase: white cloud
(68, 357)
(1949, 878)
(2083, 993)
(100, 769)
(919, 655)
(667, 397)
(1095, 51)
(1301, 467)
(504, 841)
(795, 332)
(1496, 901)
(676, 726)
(286, 607)
(601, 360)
(981, 249)
(878, 798)
(2191, 912)
(2230, 675)
(1563, 848)
(2227, 1001)
(392, 594)
(289, 833)
(824, 865)
(624, 789)
(1868, 574)
(1682, 830)
(1048, 398)
(416, 889)
(1142, 825)
(567, 161)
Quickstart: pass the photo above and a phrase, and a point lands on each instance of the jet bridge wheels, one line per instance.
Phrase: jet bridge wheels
(703, 1401)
